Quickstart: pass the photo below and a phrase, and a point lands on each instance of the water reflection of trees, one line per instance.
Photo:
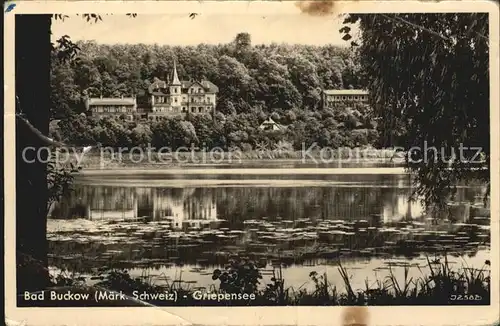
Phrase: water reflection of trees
(236, 204)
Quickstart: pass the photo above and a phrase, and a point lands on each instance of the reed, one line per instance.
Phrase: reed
(441, 285)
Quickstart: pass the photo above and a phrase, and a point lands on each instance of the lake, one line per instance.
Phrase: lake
(184, 223)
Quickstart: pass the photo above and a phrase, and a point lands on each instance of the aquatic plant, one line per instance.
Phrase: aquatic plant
(239, 276)
(442, 285)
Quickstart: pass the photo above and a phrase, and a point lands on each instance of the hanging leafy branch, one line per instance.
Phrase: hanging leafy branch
(429, 73)
(64, 48)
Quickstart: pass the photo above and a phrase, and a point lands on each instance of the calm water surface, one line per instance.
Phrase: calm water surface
(183, 225)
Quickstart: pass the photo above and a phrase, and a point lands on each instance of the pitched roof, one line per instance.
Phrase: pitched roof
(268, 121)
(112, 101)
(207, 85)
(175, 78)
(157, 83)
(345, 92)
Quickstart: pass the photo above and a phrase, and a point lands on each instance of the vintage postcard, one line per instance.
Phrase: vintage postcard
(251, 163)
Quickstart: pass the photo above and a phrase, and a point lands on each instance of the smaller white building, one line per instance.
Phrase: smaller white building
(114, 107)
(270, 124)
(341, 97)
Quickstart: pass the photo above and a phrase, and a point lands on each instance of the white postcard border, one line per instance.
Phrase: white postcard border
(394, 315)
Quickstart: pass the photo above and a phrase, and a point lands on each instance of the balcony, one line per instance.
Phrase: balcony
(199, 103)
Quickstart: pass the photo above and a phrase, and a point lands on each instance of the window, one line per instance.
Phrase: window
(175, 89)
(343, 97)
(183, 109)
(175, 100)
(200, 109)
(350, 98)
(355, 97)
(193, 110)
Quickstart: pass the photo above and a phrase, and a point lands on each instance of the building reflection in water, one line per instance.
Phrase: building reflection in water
(182, 206)
(198, 206)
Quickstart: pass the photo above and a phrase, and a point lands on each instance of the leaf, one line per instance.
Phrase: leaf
(345, 29)
(346, 37)
(193, 15)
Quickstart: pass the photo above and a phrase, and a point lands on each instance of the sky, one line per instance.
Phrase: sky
(212, 28)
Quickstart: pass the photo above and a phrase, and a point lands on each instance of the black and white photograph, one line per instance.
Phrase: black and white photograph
(303, 156)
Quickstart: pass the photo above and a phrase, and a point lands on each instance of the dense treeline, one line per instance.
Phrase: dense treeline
(225, 131)
(255, 82)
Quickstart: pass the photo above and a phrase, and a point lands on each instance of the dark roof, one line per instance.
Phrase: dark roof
(160, 87)
(346, 92)
(112, 101)
(208, 86)
(157, 83)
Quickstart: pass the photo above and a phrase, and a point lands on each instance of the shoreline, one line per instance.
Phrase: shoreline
(237, 171)
(106, 160)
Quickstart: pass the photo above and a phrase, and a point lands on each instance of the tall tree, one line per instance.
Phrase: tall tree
(33, 49)
(32, 56)
(430, 72)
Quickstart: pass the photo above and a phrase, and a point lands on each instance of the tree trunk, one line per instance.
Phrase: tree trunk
(33, 48)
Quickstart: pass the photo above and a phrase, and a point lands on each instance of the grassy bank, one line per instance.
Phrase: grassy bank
(441, 285)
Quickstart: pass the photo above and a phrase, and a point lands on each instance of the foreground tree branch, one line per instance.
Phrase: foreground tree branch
(47, 141)
(428, 75)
